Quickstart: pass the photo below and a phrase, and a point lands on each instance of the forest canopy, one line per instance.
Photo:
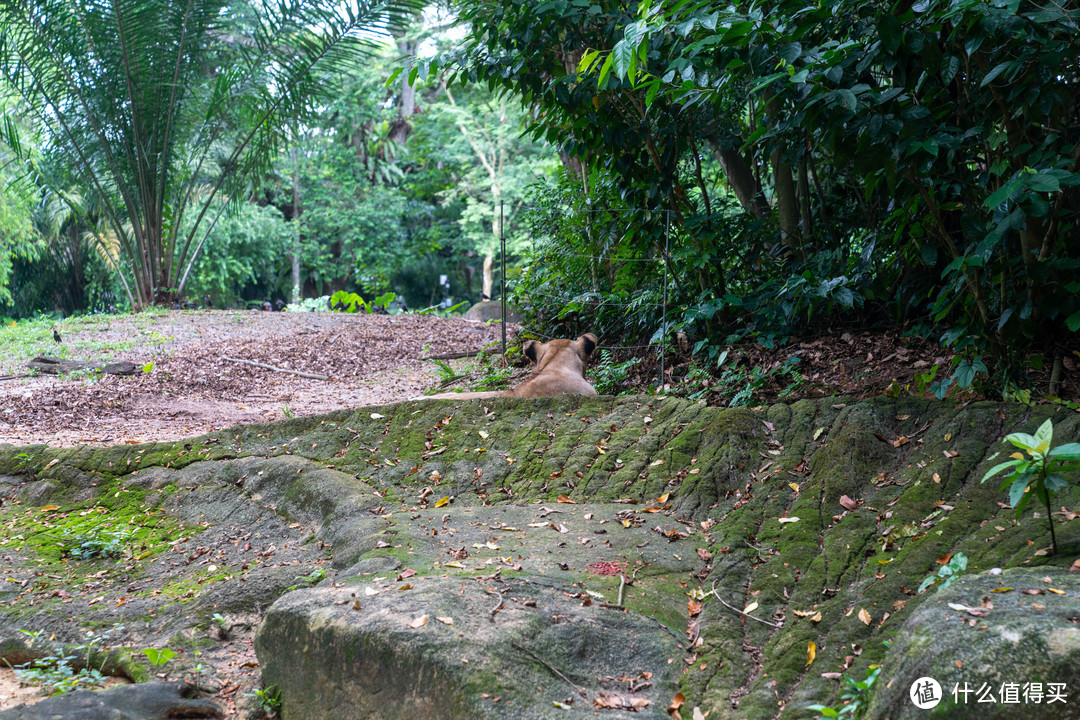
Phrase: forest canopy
(759, 171)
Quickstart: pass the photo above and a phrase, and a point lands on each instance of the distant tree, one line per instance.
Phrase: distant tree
(165, 109)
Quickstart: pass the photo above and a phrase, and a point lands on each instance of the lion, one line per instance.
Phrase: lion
(560, 368)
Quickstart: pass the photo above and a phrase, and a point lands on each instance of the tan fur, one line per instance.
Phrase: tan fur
(560, 368)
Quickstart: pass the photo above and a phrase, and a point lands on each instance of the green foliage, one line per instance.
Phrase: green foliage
(96, 542)
(348, 302)
(1038, 474)
(159, 657)
(56, 673)
(946, 573)
(268, 699)
(609, 376)
(175, 119)
(820, 163)
(856, 697)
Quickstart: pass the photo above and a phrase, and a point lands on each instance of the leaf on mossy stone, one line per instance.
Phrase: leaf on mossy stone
(864, 616)
(377, 416)
(811, 653)
(445, 620)
(694, 607)
(565, 499)
(663, 498)
(618, 701)
(848, 503)
(676, 702)
(750, 608)
(789, 519)
(803, 613)
(442, 502)
(419, 622)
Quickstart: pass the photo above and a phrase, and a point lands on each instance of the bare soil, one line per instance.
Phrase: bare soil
(192, 389)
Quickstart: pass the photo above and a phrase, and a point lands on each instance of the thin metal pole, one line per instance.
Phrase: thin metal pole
(502, 282)
(663, 337)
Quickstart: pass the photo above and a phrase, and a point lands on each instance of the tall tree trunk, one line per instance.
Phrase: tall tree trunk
(401, 127)
(295, 259)
(741, 179)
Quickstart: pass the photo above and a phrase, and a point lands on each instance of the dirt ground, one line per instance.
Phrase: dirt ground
(192, 389)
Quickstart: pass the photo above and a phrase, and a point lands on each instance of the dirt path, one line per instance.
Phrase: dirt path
(192, 389)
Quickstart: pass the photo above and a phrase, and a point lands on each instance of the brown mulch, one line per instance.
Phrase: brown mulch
(192, 389)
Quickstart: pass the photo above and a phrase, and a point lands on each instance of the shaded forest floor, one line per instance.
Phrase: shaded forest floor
(375, 359)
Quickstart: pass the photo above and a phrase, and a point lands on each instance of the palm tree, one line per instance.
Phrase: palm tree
(167, 110)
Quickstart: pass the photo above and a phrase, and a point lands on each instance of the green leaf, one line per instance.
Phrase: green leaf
(997, 70)
(587, 60)
(393, 77)
(849, 98)
(148, 367)
(1073, 321)
(1069, 451)
(1022, 441)
(1045, 434)
(623, 55)
(1017, 493)
(1055, 482)
(605, 69)
(1044, 182)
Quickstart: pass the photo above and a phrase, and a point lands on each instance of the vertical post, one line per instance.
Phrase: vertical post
(502, 280)
(663, 337)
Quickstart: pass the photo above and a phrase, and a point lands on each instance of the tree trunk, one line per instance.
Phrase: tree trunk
(295, 259)
(401, 127)
(489, 274)
(741, 179)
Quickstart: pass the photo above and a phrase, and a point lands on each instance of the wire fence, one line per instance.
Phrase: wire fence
(664, 261)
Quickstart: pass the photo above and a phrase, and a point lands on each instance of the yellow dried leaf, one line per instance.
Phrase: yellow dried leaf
(663, 498)
(419, 622)
(1055, 591)
(803, 613)
(50, 507)
(443, 501)
(794, 486)
(816, 618)
(445, 620)
(751, 607)
(864, 616)
(565, 499)
(454, 564)
(811, 652)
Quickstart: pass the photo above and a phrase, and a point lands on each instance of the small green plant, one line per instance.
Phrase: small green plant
(308, 580)
(856, 697)
(158, 657)
(349, 302)
(1036, 475)
(609, 376)
(268, 699)
(446, 373)
(286, 411)
(96, 542)
(384, 300)
(220, 620)
(56, 673)
(946, 573)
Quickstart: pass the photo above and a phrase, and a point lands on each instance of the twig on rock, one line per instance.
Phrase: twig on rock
(744, 614)
(543, 662)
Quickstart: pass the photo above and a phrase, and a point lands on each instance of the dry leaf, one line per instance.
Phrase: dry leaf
(816, 618)
(443, 501)
(864, 616)
(789, 519)
(751, 607)
(794, 486)
(803, 613)
(445, 620)
(419, 622)
(694, 607)
(565, 499)
(676, 703)
(848, 503)
(811, 653)
(50, 507)
(663, 498)
(377, 416)
(454, 564)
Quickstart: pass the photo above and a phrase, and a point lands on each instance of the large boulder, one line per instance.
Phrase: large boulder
(998, 646)
(147, 701)
(492, 310)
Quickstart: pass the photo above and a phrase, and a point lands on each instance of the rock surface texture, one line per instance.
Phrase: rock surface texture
(550, 558)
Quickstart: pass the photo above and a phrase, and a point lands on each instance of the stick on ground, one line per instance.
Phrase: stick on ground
(313, 376)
